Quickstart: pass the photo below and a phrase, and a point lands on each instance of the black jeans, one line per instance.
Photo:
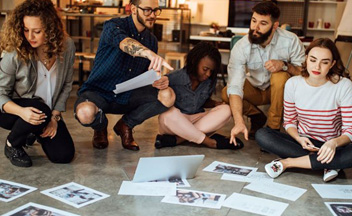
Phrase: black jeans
(285, 146)
(143, 104)
(60, 149)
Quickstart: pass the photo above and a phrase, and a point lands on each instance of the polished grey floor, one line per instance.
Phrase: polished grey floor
(104, 170)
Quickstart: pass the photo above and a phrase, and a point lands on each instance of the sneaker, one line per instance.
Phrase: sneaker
(274, 168)
(330, 174)
(257, 122)
(17, 156)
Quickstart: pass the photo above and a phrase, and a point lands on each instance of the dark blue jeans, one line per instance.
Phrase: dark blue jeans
(60, 149)
(285, 146)
(142, 105)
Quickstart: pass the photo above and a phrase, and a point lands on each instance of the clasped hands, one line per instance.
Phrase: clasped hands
(325, 153)
(36, 117)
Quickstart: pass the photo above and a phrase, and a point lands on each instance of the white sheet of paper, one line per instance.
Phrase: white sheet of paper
(196, 198)
(334, 191)
(256, 176)
(75, 194)
(277, 190)
(12, 190)
(255, 205)
(147, 188)
(146, 78)
(339, 208)
(33, 207)
(232, 169)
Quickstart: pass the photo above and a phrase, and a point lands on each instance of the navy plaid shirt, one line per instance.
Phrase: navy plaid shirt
(113, 66)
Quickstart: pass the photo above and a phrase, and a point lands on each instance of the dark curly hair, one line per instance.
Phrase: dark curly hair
(200, 51)
(338, 70)
(12, 37)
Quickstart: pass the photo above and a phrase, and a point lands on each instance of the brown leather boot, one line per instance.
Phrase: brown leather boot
(100, 139)
(125, 133)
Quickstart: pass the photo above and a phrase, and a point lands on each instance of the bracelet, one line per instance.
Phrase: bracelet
(56, 117)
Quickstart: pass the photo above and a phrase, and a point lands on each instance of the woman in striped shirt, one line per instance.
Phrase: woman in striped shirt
(317, 117)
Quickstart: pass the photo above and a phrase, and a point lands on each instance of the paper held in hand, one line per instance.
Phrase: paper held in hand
(146, 78)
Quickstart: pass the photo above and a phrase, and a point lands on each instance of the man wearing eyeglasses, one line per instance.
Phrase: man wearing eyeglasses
(126, 49)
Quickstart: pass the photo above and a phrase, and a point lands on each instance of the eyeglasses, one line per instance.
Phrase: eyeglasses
(148, 11)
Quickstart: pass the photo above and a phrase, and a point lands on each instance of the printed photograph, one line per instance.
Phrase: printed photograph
(340, 208)
(75, 194)
(196, 198)
(33, 209)
(11, 190)
(219, 167)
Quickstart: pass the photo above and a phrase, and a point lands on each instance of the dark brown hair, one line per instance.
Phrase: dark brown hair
(12, 37)
(267, 8)
(338, 70)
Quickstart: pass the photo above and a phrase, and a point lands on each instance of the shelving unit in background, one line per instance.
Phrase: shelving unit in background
(173, 28)
(293, 12)
(325, 10)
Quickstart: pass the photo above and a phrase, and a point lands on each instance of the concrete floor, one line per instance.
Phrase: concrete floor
(104, 170)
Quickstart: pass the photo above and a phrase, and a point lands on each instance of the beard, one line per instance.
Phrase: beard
(261, 38)
(143, 22)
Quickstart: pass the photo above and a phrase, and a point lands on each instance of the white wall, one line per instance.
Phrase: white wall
(211, 11)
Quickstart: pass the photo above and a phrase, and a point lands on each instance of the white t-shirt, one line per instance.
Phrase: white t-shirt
(321, 113)
(46, 83)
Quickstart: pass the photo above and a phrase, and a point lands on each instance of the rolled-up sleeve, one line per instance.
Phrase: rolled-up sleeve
(8, 67)
(113, 33)
(236, 71)
(297, 56)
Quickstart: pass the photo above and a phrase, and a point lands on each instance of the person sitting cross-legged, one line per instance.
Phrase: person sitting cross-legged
(317, 117)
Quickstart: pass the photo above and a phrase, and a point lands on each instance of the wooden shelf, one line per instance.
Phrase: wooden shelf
(321, 29)
(291, 1)
(323, 2)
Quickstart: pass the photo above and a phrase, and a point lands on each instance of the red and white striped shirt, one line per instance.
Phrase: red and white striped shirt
(321, 113)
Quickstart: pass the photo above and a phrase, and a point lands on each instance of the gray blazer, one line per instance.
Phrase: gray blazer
(19, 80)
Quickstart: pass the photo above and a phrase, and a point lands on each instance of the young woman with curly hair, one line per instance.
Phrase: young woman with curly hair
(35, 82)
(317, 117)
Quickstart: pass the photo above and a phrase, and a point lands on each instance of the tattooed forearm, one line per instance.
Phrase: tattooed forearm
(133, 47)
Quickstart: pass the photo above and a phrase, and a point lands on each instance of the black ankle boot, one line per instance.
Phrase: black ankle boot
(165, 140)
(17, 156)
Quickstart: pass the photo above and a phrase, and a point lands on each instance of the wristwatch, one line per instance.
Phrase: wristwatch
(57, 117)
(285, 67)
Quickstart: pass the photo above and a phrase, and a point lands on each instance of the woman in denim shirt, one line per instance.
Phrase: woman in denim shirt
(193, 85)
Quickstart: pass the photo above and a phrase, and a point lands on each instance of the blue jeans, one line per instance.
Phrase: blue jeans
(143, 104)
(285, 146)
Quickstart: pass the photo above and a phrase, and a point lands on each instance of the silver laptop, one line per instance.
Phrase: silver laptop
(162, 168)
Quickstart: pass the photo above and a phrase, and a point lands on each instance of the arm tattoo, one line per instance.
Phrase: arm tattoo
(133, 48)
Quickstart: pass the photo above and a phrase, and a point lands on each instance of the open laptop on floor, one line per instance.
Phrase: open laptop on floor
(162, 168)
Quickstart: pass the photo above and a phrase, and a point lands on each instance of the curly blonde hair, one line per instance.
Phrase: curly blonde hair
(12, 37)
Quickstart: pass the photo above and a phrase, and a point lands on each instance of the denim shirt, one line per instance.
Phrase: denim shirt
(113, 66)
(247, 57)
(187, 100)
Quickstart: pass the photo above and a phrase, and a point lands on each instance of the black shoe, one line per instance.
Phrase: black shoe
(224, 143)
(31, 138)
(18, 156)
(165, 140)
(257, 122)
